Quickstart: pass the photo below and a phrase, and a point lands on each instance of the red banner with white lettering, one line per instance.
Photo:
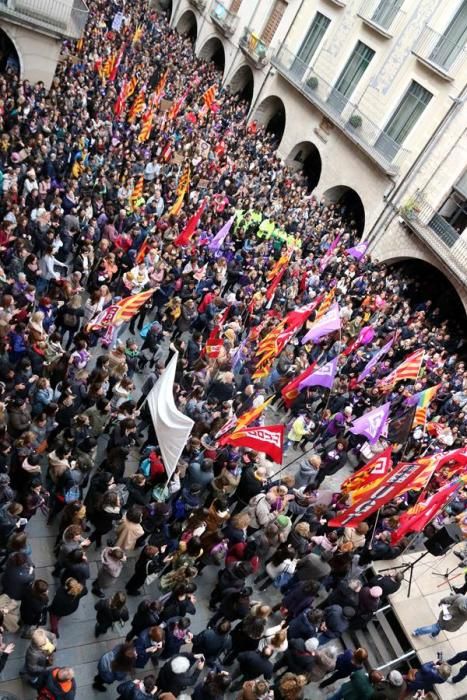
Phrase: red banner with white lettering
(269, 439)
(397, 482)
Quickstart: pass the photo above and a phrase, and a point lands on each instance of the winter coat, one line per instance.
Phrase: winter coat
(358, 687)
(143, 642)
(457, 610)
(301, 627)
(7, 524)
(425, 678)
(210, 643)
(128, 534)
(104, 667)
(57, 690)
(305, 475)
(37, 660)
(65, 604)
(253, 664)
(336, 622)
(249, 486)
(174, 607)
(260, 511)
(19, 420)
(109, 569)
(32, 609)
(323, 663)
(107, 615)
(144, 617)
(176, 683)
(131, 690)
(16, 580)
(297, 658)
(312, 567)
(103, 518)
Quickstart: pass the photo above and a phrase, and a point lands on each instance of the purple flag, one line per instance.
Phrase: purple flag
(358, 251)
(326, 324)
(220, 237)
(323, 376)
(366, 335)
(374, 360)
(372, 424)
(326, 257)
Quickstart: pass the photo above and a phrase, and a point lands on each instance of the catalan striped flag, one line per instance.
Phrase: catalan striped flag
(408, 369)
(184, 181)
(138, 106)
(131, 86)
(252, 415)
(137, 193)
(143, 249)
(116, 60)
(176, 107)
(122, 311)
(326, 303)
(209, 96)
(120, 102)
(160, 88)
(422, 401)
(137, 36)
(283, 260)
(79, 45)
(146, 125)
(106, 67)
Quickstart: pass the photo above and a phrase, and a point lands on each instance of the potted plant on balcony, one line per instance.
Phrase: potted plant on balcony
(312, 82)
(355, 121)
(410, 209)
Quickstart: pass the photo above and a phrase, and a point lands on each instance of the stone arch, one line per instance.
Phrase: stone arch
(188, 25)
(305, 157)
(429, 281)
(271, 113)
(166, 7)
(213, 50)
(243, 83)
(349, 203)
(9, 53)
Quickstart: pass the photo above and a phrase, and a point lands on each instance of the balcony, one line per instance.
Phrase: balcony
(382, 17)
(226, 21)
(437, 234)
(67, 19)
(339, 3)
(199, 4)
(358, 128)
(438, 53)
(255, 49)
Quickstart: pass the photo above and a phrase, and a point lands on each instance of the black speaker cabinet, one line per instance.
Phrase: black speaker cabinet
(439, 543)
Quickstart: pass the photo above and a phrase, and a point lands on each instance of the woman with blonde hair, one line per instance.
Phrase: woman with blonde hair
(39, 655)
(65, 602)
(35, 328)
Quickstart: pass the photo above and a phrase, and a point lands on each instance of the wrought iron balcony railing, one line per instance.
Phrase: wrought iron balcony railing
(436, 233)
(67, 19)
(439, 53)
(255, 48)
(382, 15)
(226, 21)
(357, 126)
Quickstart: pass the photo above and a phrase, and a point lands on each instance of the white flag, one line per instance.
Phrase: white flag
(172, 427)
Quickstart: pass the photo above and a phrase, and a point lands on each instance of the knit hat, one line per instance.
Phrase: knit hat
(282, 521)
(180, 664)
(395, 678)
(376, 591)
(311, 644)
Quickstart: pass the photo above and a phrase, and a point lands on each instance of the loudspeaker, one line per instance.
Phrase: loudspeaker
(439, 543)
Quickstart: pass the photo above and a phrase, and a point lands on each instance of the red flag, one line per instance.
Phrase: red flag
(116, 64)
(375, 470)
(408, 369)
(417, 518)
(275, 283)
(193, 223)
(269, 439)
(397, 482)
(290, 391)
(296, 318)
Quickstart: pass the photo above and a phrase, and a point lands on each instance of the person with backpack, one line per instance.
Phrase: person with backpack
(115, 665)
(58, 683)
(110, 568)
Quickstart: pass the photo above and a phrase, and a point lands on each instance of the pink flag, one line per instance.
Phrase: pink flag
(323, 376)
(374, 360)
(358, 251)
(372, 423)
(326, 324)
(220, 237)
(328, 254)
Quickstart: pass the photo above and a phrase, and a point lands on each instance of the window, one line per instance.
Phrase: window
(403, 120)
(452, 42)
(350, 76)
(311, 42)
(386, 12)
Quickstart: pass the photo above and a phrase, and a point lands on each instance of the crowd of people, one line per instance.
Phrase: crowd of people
(72, 397)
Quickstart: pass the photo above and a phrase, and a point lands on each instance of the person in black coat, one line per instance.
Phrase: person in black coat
(253, 480)
(252, 665)
(76, 566)
(213, 642)
(105, 510)
(148, 562)
(18, 575)
(179, 673)
(146, 615)
(234, 606)
(179, 604)
(33, 609)
(109, 611)
(299, 657)
(65, 602)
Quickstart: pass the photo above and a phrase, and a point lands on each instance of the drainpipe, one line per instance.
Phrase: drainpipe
(390, 207)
